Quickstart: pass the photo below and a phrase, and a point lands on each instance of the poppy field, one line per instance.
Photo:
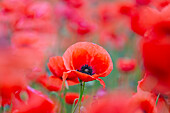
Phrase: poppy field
(84, 56)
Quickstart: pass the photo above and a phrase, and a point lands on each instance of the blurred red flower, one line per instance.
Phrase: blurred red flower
(116, 102)
(116, 41)
(155, 48)
(35, 103)
(126, 64)
(15, 67)
(144, 101)
(70, 97)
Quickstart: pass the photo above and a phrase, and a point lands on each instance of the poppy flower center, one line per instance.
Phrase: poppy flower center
(86, 69)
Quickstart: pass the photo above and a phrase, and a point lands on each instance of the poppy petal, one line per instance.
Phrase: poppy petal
(82, 76)
(56, 66)
(101, 82)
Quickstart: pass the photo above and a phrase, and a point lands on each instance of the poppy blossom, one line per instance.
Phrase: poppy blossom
(152, 84)
(144, 101)
(139, 24)
(14, 71)
(160, 4)
(126, 65)
(40, 10)
(35, 103)
(80, 26)
(85, 60)
(156, 45)
(70, 97)
(116, 41)
(75, 3)
(126, 8)
(116, 102)
(143, 2)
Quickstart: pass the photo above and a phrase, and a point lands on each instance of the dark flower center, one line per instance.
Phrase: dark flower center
(86, 69)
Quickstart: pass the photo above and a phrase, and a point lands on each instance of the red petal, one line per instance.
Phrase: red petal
(82, 76)
(101, 82)
(56, 66)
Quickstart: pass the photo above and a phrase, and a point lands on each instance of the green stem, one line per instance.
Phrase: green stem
(64, 91)
(82, 86)
(2, 110)
(74, 104)
(64, 102)
(157, 99)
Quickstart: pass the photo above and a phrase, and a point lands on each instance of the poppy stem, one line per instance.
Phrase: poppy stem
(157, 99)
(82, 91)
(2, 109)
(82, 86)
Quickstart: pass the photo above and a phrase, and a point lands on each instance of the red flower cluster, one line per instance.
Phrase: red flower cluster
(35, 78)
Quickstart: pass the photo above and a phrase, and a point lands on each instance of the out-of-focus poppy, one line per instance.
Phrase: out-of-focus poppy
(115, 40)
(139, 24)
(144, 101)
(24, 39)
(116, 102)
(14, 71)
(85, 60)
(160, 4)
(143, 2)
(126, 65)
(152, 84)
(154, 46)
(20, 5)
(152, 16)
(35, 103)
(75, 3)
(70, 97)
(41, 10)
(80, 26)
(126, 8)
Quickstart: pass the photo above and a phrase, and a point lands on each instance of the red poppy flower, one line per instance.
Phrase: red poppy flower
(126, 8)
(84, 60)
(160, 4)
(70, 97)
(35, 25)
(106, 13)
(80, 26)
(116, 102)
(143, 2)
(35, 103)
(20, 5)
(152, 84)
(116, 41)
(144, 101)
(75, 3)
(126, 65)
(24, 39)
(42, 10)
(155, 51)
(14, 71)
(143, 18)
